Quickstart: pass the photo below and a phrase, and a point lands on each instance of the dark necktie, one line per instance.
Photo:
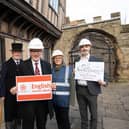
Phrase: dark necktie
(17, 67)
(37, 72)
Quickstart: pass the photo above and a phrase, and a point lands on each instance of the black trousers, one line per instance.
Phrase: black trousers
(62, 117)
(11, 113)
(32, 112)
(11, 110)
(85, 101)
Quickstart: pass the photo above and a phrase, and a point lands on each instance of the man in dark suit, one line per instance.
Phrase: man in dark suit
(87, 91)
(10, 70)
(35, 111)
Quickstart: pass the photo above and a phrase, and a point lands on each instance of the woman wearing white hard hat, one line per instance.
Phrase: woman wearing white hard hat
(61, 75)
(32, 111)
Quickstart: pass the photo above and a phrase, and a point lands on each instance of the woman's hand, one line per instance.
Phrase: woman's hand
(53, 86)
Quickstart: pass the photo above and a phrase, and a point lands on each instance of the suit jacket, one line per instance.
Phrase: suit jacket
(8, 74)
(27, 69)
(94, 87)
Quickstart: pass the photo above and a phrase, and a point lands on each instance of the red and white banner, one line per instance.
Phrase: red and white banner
(30, 88)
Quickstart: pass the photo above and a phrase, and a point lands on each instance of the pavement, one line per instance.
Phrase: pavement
(113, 109)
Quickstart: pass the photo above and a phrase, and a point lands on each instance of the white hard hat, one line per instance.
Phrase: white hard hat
(57, 53)
(35, 43)
(85, 42)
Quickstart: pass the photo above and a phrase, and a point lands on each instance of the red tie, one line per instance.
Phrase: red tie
(37, 72)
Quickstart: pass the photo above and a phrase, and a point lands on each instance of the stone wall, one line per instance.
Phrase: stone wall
(119, 35)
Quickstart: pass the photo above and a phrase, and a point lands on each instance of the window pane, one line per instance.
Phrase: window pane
(50, 2)
(54, 4)
(28, 1)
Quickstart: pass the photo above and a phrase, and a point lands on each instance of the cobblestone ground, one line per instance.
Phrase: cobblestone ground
(115, 106)
(113, 109)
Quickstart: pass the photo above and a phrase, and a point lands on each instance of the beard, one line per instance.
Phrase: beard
(84, 53)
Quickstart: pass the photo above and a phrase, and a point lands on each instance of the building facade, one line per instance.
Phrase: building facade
(110, 41)
(21, 20)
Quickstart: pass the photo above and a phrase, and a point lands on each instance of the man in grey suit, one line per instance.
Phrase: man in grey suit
(87, 91)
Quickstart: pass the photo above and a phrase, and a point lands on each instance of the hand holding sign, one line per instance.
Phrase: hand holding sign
(13, 90)
(102, 83)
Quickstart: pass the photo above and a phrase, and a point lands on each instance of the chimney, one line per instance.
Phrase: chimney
(115, 15)
(67, 20)
(82, 21)
(97, 18)
(78, 22)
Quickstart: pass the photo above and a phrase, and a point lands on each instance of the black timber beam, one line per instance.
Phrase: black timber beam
(24, 9)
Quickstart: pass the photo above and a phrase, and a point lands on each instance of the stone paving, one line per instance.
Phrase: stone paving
(115, 103)
(113, 109)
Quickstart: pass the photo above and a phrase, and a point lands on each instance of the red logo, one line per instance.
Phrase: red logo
(22, 87)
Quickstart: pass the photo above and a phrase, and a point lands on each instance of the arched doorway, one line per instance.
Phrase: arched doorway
(103, 47)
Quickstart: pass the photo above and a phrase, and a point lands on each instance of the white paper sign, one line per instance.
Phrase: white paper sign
(91, 71)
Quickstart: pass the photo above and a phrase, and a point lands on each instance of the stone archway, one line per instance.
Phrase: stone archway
(104, 47)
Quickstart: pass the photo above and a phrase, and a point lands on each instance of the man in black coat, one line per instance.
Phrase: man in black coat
(35, 111)
(87, 91)
(10, 69)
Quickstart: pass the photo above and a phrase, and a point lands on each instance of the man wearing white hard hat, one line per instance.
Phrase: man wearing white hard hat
(87, 91)
(62, 76)
(32, 111)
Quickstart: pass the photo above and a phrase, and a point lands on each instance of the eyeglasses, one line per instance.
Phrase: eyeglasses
(58, 58)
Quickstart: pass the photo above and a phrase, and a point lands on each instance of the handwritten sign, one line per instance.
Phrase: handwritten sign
(91, 71)
(31, 88)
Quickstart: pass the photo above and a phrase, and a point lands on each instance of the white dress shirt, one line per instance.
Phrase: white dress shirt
(83, 59)
(17, 61)
(39, 66)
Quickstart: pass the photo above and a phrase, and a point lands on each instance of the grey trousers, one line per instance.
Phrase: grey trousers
(85, 101)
